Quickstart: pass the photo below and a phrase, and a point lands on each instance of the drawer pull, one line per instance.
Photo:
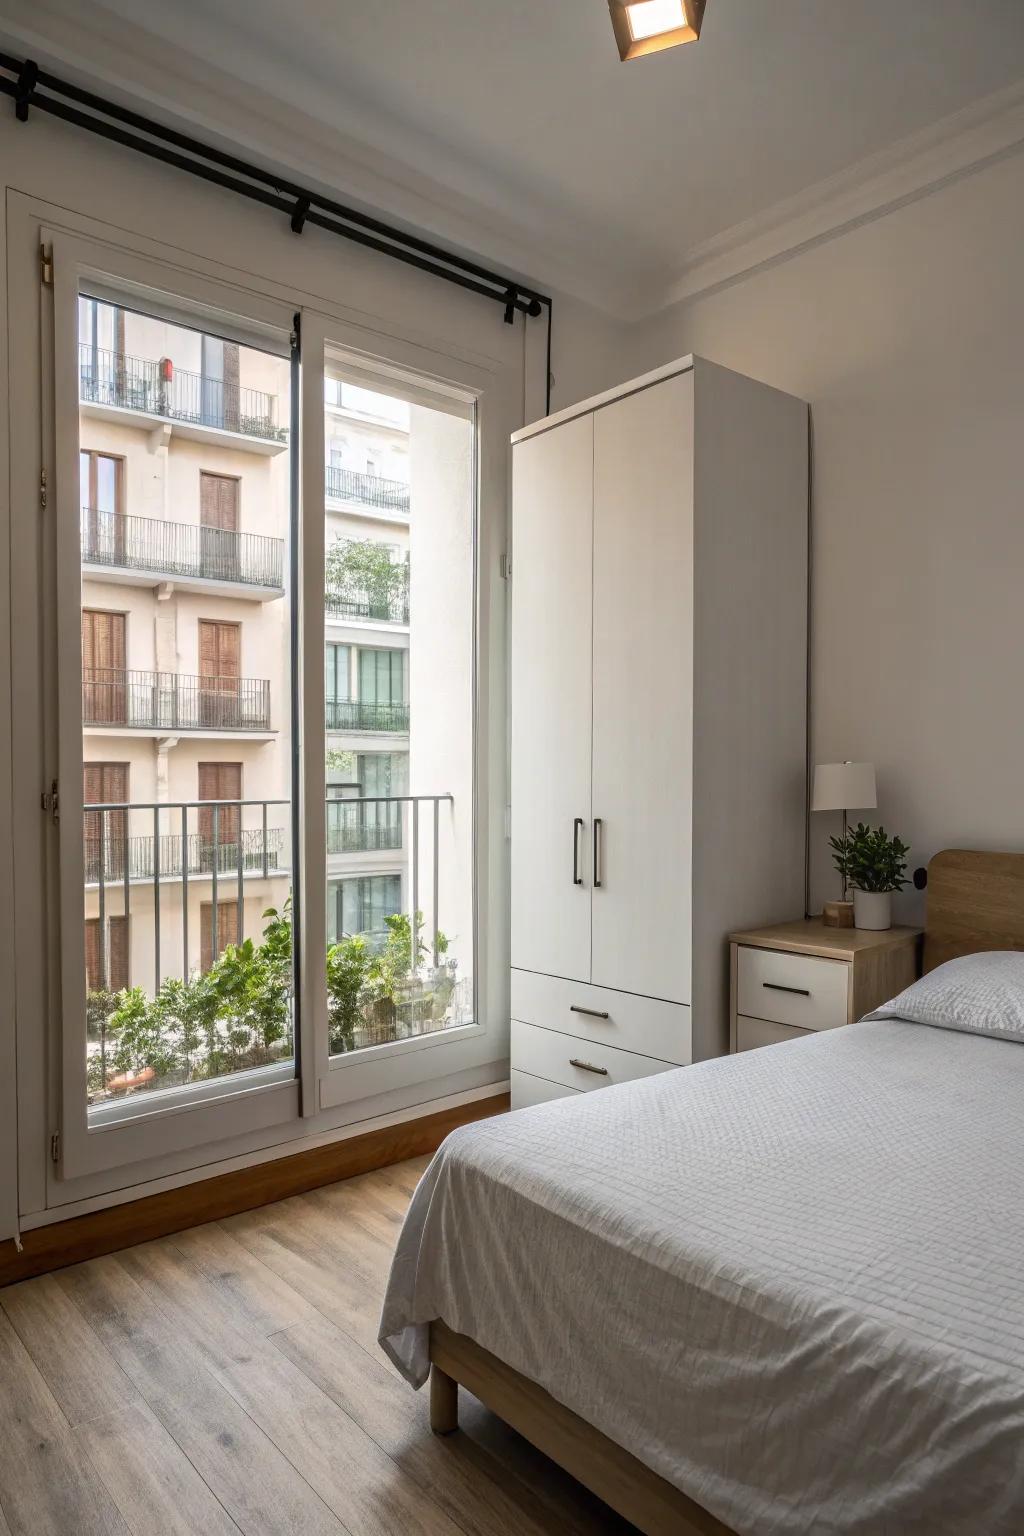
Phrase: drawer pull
(776, 986)
(591, 1013)
(587, 1066)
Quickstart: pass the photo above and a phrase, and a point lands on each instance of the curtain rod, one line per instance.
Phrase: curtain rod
(110, 121)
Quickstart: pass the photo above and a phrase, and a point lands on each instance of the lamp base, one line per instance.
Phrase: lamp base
(837, 914)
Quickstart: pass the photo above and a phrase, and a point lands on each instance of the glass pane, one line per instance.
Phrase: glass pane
(186, 706)
(399, 552)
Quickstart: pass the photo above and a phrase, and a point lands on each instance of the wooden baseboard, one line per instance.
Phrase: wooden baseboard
(137, 1221)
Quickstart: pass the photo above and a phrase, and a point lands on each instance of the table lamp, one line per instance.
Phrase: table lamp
(843, 787)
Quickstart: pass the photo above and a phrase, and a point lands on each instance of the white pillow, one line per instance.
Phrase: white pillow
(980, 994)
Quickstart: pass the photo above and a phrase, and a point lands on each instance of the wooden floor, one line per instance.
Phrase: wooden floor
(227, 1380)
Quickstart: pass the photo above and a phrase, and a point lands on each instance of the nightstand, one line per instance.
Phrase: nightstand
(796, 977)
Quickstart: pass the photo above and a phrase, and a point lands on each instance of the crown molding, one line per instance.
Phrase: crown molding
(97, 47)
(909, 169)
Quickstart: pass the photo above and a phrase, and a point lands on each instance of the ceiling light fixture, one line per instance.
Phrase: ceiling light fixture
(647, 26)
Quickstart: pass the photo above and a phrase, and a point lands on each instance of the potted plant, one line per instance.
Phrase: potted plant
(875, 865)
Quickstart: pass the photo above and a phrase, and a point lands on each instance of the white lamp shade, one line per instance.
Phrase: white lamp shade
(844, 787)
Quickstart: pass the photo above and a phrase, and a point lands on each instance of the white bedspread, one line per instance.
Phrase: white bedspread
(790, 1282)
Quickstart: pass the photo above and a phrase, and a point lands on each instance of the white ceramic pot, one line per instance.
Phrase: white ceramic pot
(872, 909)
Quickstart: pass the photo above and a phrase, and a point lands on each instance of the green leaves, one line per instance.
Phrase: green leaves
(870, 860)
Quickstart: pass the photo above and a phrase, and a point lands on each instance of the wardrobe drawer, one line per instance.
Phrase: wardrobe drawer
(750, 1033)
(576, 1063)
(527, 1090)
(640, 1024)
(791, 989)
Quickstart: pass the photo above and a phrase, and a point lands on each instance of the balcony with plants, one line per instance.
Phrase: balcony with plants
(364, 582)
(112, 382)
(141, 551)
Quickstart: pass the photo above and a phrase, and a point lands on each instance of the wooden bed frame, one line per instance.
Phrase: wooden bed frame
(975, 902)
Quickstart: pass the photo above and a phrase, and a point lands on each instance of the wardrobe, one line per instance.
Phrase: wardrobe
(659, 684)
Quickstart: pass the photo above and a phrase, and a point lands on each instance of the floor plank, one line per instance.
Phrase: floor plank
(227, 1381)
(255, 1483)
(48, 1485)
(79, 1371)
(480, 1495)
(149, 1477)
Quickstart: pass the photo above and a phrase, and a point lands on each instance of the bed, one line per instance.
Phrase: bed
(780, 1292)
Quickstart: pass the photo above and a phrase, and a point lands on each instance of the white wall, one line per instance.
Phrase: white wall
(905, 336)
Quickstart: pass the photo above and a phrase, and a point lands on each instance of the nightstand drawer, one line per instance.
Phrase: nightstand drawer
(791, 989)
(576, 1063)
(751, 1033)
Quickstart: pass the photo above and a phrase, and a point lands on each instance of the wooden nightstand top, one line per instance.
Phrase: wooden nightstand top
(811, 937)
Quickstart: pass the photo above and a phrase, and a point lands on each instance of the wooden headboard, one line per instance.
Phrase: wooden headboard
(975, 902)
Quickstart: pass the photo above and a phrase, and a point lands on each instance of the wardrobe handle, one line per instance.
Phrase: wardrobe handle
(776, 986)
(591, 1013)
(597, 851)
(577, 823)
(587, 1066)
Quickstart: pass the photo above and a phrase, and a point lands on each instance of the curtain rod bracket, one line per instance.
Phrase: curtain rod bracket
(28, 78)
(299, 215)
(511, 301)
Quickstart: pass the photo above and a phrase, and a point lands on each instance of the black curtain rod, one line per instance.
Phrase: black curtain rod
(111, 121)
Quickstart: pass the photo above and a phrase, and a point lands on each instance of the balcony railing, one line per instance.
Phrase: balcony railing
(138, 384)
(367, 490)
(180, 549)
(143, 857)
(385, 608)
(356, 827)
(354, 715)
(174, 701)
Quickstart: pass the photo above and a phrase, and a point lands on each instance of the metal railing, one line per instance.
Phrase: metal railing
(367, 490)
(354, 826)
(354, 715)
(118, 853)
(139, 384)
(174, 701)
(110, 845)
(351, 603)
(180, 549)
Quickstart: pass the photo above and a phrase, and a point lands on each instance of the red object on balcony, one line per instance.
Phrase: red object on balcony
(166, 369)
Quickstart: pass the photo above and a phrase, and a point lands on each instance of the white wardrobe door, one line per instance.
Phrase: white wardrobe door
(643, 690)
(552, 540)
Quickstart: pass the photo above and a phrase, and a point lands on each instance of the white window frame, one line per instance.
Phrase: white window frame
(496, 377)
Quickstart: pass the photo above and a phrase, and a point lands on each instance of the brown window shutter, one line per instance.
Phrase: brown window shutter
(105, 784)
(118, 953)
(220, 781)
(93, 959)
(218, 501)
(227, 930)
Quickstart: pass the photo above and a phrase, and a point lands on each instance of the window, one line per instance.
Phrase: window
(102, 480)
(220, 660)
(361, 905)
(382, 677)
(219, 497)
(105, 836)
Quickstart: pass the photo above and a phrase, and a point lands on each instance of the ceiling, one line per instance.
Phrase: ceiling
(520, 112)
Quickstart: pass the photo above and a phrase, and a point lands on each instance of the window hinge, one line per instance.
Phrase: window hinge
(506, 565)
(49, 800)
(42, 490)
(55, 1147)
(46, 265)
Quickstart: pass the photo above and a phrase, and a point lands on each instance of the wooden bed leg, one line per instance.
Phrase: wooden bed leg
(444, 1402)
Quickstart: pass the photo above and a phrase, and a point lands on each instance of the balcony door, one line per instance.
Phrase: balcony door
(104, 676)
(102, 508)
(218, 519)
(105, 840)
(220, 661)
